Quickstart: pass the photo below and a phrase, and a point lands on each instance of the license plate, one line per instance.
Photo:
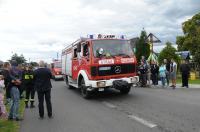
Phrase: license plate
(101, 89)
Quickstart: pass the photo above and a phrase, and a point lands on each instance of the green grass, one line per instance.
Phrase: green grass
(12, 126)
(197, 81)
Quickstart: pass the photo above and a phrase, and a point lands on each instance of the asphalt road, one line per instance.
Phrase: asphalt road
(143, 110)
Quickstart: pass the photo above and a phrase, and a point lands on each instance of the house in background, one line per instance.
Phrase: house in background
(133, 42)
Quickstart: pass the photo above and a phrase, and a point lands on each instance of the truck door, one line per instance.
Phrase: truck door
(75, 64)
(85, 61)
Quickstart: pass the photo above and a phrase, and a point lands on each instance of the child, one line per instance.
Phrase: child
(162, 72)
(3, 112)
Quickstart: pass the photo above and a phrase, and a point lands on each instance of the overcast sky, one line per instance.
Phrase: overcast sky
(39, 29)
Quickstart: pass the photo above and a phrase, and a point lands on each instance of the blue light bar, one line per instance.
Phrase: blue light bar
(91, 36)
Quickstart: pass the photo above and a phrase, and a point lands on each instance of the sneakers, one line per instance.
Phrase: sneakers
(32, 106)
(26, 105)
(41, 117)
(10, 118)
(18, 119)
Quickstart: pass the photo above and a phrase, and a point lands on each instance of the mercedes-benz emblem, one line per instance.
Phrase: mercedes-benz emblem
(117, 69)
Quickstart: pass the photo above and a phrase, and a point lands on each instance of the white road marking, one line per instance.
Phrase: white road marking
(109, 105)
(142, 121)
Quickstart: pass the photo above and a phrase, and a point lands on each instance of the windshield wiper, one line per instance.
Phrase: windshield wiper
(123, 55)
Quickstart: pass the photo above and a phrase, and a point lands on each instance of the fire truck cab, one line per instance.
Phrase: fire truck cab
(56, 69)
(95, 64)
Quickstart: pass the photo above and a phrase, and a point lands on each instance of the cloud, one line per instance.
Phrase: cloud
(41, 28)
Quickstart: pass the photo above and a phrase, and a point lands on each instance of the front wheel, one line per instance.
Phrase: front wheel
(125, 90)
(67, 83)
(84, 92)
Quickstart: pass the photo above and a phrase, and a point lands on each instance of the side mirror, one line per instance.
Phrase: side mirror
(100, 51)
(79, 47)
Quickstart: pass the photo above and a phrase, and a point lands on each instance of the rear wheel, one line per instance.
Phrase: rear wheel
(125, 90)
(67, 83)
(84, 92)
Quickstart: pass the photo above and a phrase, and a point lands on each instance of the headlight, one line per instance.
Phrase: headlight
(134, 80)
(101, 84)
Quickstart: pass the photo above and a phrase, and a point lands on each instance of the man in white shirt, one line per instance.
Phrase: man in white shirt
(173, 70)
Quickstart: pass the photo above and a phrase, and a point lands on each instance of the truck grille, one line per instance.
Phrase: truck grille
(116, 69)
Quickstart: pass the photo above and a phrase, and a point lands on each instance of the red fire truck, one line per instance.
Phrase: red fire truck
(95, 64)
(56, 69)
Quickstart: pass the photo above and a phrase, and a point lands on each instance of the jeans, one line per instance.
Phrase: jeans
(163, 80)
(167, 77)
(14, 107)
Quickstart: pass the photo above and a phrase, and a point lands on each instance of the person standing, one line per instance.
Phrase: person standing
(162, 73)
(3, 113)
(154, 72)
(21, 69)
(143, 74)
(173, 69)
(148, 66)
(185, 72)
(167, 65)
(7, 80)
(14, 93)
(43, 87)
(28, 84)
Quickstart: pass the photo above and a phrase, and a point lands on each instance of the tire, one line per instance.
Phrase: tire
(86, 94)
(67, 83)
(125, 90)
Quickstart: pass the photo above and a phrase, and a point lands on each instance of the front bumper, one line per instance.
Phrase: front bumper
(109, 83)
(58, 76)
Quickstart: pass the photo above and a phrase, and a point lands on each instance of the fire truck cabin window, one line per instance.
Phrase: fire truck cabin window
(57, 65)
(52, 65)
(75, 53)
(86, 50)
(112, 48)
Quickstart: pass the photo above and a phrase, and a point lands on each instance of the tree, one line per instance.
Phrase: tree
(19, 59)
(191, 38)
(142, 48)
(34, 64)
(168, 53)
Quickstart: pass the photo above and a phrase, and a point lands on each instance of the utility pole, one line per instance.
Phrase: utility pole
(151, 38)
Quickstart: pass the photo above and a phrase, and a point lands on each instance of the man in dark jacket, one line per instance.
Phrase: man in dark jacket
(154, 72)
(185, 72)
(167, 65)
(43, 87)
(142, 69)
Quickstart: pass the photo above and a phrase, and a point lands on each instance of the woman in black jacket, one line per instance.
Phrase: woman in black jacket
(154, 72)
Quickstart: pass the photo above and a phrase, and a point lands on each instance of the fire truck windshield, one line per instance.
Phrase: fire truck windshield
(57, 65)
(111, 48)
